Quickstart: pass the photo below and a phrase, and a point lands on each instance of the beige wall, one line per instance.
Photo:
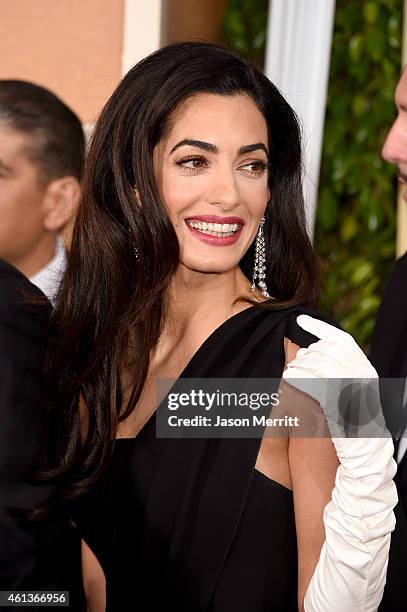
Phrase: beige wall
(73, 47)
(80, 48)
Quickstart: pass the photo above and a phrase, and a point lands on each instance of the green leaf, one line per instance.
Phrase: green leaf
(371, 12)
(349, 228)
(362, 273)
(359, 105)
(375, 44)
(369, 304)
(355, 47)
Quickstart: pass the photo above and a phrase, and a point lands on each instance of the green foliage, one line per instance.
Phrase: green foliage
(244, 28)
(356, 216)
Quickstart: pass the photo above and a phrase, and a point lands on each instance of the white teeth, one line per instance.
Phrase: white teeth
(215, 229)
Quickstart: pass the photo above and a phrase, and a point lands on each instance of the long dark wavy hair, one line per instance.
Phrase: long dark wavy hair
(111, 305)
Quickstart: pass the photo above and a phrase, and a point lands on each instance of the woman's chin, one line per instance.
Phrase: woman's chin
(210, 266)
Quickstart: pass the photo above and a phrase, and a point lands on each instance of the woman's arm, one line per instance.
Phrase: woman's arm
(351, 570)
(93, 578)
(94, 582)
(313, 465)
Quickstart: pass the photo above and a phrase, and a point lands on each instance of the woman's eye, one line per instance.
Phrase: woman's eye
(193, 164)
(197, 164)
(255, 167)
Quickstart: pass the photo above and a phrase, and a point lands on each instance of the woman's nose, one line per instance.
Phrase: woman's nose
(224, 191)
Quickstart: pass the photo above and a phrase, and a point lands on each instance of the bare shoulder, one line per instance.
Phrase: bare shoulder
(290, 349)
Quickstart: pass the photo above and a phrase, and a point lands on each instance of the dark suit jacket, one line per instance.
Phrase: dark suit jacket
(33, 555)
(389, 356)
(388, 352)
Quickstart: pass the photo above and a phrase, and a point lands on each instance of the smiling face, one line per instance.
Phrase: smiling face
(395, 147)
(212, 175)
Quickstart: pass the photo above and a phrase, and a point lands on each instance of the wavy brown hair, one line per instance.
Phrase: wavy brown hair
(111, 306)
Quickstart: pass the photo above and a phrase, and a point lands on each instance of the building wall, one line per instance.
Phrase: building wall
(80, 48)
(73, 47)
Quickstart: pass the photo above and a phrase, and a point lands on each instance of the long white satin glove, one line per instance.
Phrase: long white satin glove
(351, 571)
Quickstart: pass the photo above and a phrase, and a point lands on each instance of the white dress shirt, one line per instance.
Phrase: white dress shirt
(403, 440)
(49, 277)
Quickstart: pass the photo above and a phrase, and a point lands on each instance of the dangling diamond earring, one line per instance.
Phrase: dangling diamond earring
(259, 260)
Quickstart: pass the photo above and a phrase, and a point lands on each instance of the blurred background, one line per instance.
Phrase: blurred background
(337, 64)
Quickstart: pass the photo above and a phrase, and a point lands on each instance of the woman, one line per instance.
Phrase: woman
(190, 259)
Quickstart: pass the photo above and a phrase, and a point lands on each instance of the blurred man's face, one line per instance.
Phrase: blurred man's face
(21, 201)
(395, 147)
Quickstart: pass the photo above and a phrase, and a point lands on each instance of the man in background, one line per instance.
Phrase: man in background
(389, 356)
(41, 157)
(389, 344)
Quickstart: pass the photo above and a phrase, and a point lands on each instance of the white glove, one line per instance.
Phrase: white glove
(351, 571)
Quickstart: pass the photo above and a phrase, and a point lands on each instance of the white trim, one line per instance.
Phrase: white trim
(88, 130)
(299, 39)
(141, 30)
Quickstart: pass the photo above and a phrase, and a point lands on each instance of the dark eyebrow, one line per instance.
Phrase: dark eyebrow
(205, 146)
(211, 148)
(253, 147)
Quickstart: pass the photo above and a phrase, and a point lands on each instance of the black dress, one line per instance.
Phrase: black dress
(190, 524)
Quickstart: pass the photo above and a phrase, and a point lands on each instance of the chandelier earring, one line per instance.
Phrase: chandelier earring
(259, 269)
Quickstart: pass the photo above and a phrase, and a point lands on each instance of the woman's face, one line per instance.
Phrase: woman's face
(211, 173)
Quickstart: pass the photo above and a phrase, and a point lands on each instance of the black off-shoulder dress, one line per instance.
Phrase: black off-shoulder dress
(191, 524)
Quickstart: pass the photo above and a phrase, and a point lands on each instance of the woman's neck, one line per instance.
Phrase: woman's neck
(196, 296)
